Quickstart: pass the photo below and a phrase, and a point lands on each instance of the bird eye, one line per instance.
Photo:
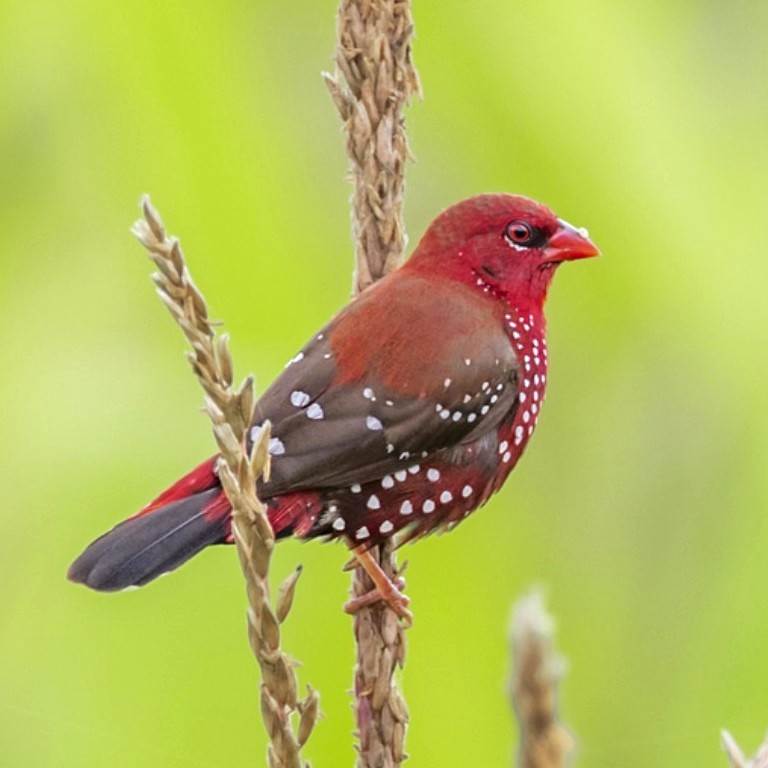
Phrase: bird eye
(519, 233)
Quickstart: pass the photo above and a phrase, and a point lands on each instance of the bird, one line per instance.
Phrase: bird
(406, 412)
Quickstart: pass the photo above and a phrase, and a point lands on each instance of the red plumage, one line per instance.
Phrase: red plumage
(404, 413)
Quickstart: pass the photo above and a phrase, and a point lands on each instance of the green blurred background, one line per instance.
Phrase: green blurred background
(641, 506)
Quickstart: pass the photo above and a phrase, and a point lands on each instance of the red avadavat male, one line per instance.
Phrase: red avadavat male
(406, 412)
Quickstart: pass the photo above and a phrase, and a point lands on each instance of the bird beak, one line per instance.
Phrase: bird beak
(569, 243)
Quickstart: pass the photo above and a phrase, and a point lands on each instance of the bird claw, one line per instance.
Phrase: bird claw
(385, 589)
(392, 596)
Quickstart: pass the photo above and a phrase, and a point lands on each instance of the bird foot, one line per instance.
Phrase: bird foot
(385, 590)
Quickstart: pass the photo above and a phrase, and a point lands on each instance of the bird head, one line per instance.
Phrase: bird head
(504, 245)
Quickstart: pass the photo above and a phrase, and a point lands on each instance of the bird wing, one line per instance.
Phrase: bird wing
(374, 391)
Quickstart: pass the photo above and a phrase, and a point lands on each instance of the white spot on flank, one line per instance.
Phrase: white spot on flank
(515, 335)
(457, 415)
(471, 417)
(373, 502)
(355, 488)
(362, 533)
(433, 475)
(387, 481)
(534, 408)
(315, 412)
(518, 435)
(521, 397)
(386, 527)
(414, 470)
(506, 457)
(299, 399)
(368, 394)
(400, 475)
(536, 379)
(338, 524)
(446, 497)
(526, 417)
(447, 383)
(428, 506)
(406, 508)
(527, 383)
(503, 445)
(276, 447)
(467, 361)
(466, 491)
(373, 424)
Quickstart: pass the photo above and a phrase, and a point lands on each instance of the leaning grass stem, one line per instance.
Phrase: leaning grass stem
(231, 411)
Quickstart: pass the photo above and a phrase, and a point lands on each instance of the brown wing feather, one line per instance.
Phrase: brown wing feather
(347, 411)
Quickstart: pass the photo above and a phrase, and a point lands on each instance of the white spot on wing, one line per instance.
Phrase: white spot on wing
(299, 399)
(373, 502)
(386, 527)
(297, 359)
(362, 533)
(406, 508)
(315, 412)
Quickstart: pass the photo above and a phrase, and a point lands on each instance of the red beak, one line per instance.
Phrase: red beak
(568, 244)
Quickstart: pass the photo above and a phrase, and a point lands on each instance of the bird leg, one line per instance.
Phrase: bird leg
(385, 589)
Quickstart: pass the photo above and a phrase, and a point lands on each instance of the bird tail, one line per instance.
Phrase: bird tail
(189, 516)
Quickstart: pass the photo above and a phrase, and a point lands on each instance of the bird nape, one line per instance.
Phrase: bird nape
(403, 414)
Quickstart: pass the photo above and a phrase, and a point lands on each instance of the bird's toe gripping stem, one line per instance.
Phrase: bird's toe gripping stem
(385, 589)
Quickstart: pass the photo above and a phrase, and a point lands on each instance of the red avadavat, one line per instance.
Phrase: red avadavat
(406, 412)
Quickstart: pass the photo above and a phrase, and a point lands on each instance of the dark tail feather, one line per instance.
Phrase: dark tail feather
(155, 541)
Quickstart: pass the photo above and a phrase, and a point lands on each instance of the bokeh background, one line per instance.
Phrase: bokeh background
(641, 506)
